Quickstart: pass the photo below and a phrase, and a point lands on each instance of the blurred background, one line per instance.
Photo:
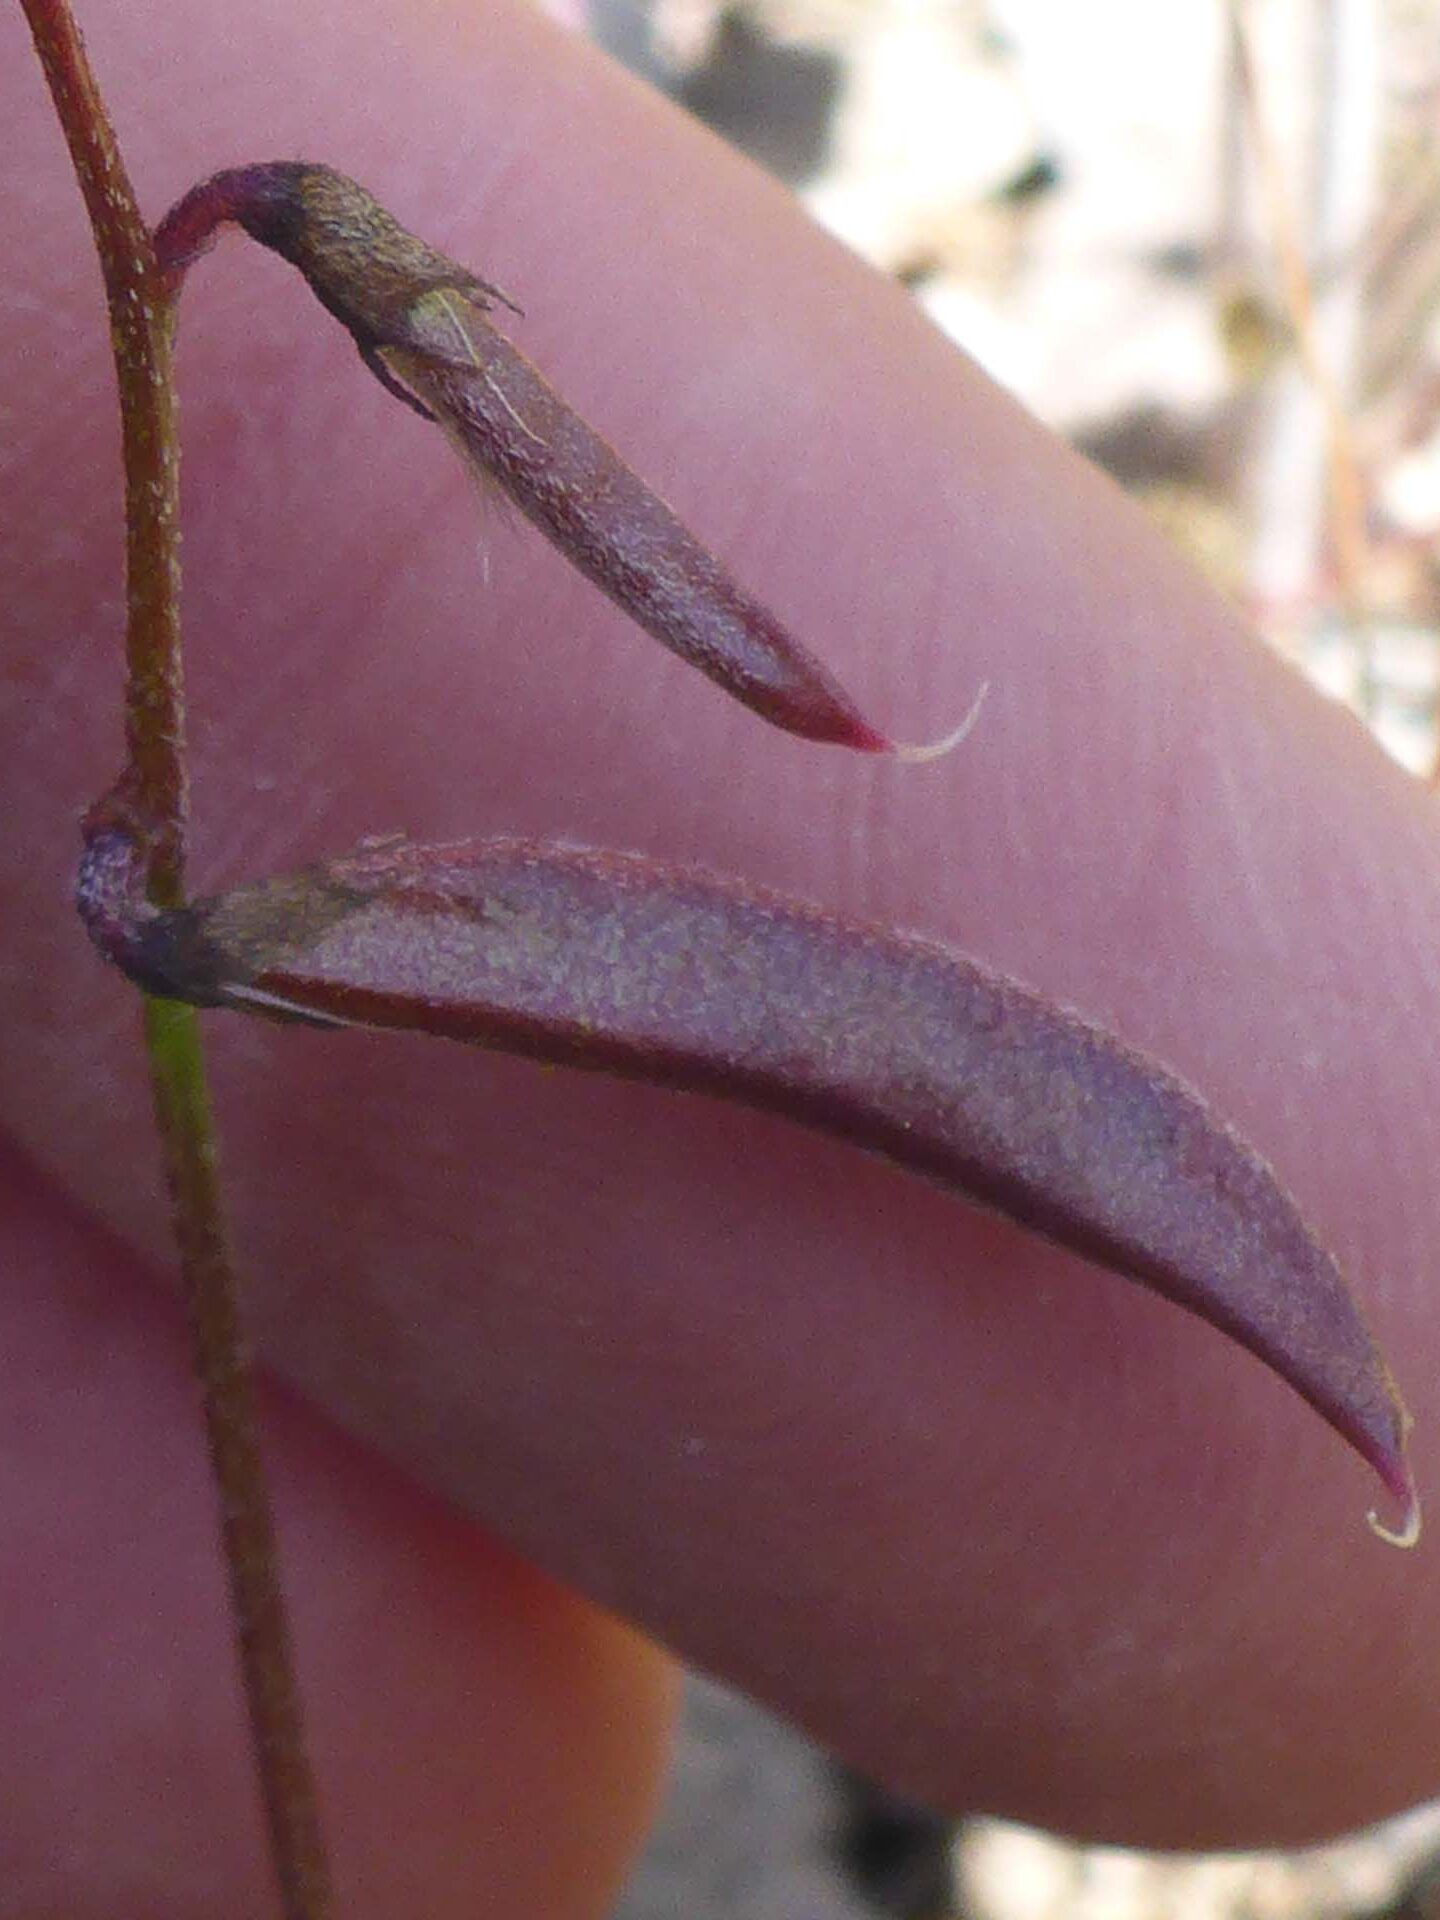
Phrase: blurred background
(1201, 239)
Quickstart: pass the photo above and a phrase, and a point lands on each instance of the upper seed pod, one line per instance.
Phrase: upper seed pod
(419, 320)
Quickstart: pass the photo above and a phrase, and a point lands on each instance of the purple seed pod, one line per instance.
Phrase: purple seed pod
(614, 962)
(420, 323)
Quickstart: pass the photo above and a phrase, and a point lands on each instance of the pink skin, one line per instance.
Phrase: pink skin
(127, 1779)
(995, 1524)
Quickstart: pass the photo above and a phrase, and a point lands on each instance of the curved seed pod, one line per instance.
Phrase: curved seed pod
(611, 961)
(419, 321)
(506, 420)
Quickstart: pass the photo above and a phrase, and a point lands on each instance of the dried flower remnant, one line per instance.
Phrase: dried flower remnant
(421, 324)
(613, 962)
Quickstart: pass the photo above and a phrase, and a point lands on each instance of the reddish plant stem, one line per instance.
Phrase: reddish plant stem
(142, 322)
(151, 795)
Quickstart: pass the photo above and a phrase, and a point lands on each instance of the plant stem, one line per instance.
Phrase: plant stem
(142, 325)
(152, 793)
(222, 1362)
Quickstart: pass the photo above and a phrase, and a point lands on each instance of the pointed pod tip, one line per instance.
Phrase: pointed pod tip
(863, 738)
(923, 752)
(826, 719)
(1407, 1534)
(1394, 1469)
(844, 727)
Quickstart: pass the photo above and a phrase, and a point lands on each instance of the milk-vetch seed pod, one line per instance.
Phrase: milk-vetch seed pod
(613, 961)
(420, 322)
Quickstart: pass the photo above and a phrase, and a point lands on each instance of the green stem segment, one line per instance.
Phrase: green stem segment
(222, 1361)
(152, 794)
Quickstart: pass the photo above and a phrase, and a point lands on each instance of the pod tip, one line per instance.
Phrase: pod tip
(923, 752)
(1401, 1483)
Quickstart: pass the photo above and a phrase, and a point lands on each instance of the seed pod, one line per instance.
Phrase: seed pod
(419, 320)
(612, 961)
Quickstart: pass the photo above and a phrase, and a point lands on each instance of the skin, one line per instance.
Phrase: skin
(1000, 1528)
